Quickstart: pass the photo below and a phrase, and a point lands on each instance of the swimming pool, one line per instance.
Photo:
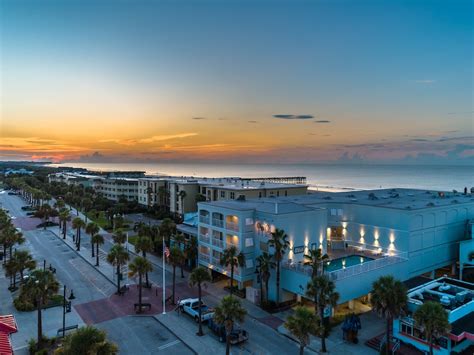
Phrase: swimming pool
(345, 261)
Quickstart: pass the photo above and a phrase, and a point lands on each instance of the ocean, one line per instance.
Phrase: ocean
(319, 176)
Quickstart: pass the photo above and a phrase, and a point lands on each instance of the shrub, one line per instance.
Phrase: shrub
(23, 305)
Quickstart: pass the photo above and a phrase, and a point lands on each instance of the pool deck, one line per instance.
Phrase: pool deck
(350, 250)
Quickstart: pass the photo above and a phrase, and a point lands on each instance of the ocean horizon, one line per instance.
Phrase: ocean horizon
(319, 176)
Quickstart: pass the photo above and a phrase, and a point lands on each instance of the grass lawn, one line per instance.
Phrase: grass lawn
(132, 240)
(101, 221)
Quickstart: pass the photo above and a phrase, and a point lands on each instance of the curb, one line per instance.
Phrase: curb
(83, 258)
(180, 339)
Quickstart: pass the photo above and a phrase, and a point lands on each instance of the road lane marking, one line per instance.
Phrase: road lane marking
(162, 347)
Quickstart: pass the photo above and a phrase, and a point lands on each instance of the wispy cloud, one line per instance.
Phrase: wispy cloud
(148, 140)
(199, 118)
(322, 121)
(293, 117)
(252, 121)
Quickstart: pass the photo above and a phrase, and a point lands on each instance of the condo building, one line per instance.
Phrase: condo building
(366, 234)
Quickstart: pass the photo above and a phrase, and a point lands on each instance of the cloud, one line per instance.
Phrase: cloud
(199, 118)
(425, 81)
(148, 140)
(419, 140)
(293, 117)
(252, 121)
(322, 121)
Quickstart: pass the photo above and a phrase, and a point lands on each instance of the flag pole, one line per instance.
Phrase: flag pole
(164, 283)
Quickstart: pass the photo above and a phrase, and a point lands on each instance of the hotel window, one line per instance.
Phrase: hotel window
(333, 211)
(278, 193)
(249, 263)
(248, 242)
(232, 195)
(339, 212)
(223, 194)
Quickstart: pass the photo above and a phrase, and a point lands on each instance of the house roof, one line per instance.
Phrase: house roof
(7, 326)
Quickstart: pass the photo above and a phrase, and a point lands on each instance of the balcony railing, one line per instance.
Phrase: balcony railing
(204, 238)
(205, 257)
(218, 222)
(232, 226)
(218, 243)
(204, 219)
(350, 271)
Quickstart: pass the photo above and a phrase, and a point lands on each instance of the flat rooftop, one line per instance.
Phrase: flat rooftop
(267, 205)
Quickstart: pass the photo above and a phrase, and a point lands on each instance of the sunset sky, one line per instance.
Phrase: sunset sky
(243, 81)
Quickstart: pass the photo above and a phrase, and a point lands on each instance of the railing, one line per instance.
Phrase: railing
(218, 243)
(232, 226)
(204, 219)
(396, 346)
(218, 222)
(350, 271)
(204, 238)
(204, 257)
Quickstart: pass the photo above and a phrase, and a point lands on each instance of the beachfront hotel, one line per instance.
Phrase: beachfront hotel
(366, 234)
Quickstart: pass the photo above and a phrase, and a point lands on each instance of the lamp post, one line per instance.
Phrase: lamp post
(66, 307)
(258, 271)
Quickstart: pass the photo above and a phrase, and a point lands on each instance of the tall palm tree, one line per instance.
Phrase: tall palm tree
(11, 269)
(167, 229)
(265, 264)
(301, 324)
(228, 312)
(197, 277)
(315, 259)
(24, 261)
(389, 298)
(323, 292)
(118, 257)
(64, 217)
(144, 245)
(139, 266)
(78, 224)
(191, 251)
(87, 340)
(92, 229)
(97, 240)
(40, 287)
(119, 237)
(180, 240)
(231, 257)
(433, 319)
(176, 258)
(279, 242)
(182, 196)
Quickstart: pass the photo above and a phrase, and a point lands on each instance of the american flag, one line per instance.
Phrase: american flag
(167, 252)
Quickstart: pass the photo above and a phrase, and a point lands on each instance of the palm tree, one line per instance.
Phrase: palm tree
(40, 287)
(118, 256)
(231, 257)
(197, 277)
(64, 217)
(323, 292)
(265, 264)
(279, 241)
(78, 224)
(315, 259)
(149, 191)
(11, 269)
(182, 196)
(389, 298)
(144, 245)
(176, 258)
(301, 324)
(92, 229)
(433, 319)
(97, 240)
(139, 266)
(191, 251)
(228, 312)
(167, 229)
(87, 340)
(180, 240)
(119, 237)
(24, 261)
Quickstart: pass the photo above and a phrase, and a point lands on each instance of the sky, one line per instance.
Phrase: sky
(237, 81)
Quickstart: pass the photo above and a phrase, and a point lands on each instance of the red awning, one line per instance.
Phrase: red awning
(7, 326)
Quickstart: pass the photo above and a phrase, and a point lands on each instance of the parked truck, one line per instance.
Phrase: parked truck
(191, 307)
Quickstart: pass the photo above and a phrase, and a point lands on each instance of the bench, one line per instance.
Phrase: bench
(71, 327)
(146, 306)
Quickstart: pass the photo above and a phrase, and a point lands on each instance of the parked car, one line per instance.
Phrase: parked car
(191, 307)
(237, 335)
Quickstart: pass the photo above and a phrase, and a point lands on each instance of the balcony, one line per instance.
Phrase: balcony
(232, 226)
(204, 238)
(218, 222)
(218, 243)
(204, 219)
(204, 257)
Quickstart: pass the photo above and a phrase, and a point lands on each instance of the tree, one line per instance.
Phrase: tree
(181, 241)
(389, 298)
(39, 288)
(86, 205)
(182, 196)
(64, 217)
(24, 261)
(87, 340)
(301, 324)
(315, 259)
(433, 320)
(119, 237)
(167, 229)
(323, 292)
(139, 266)
(78, 224)
(265, 264)
(228, 312)
(231, 257)
(191, 251)
(149, 191)
(175, 259)
(279, 241)
(118, 257)
(97, 240)
(144, 245)
(11, 269)
(197, 277)
(92, 229)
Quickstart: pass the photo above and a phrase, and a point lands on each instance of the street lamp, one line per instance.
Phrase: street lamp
(66, 307)
(258, 271)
